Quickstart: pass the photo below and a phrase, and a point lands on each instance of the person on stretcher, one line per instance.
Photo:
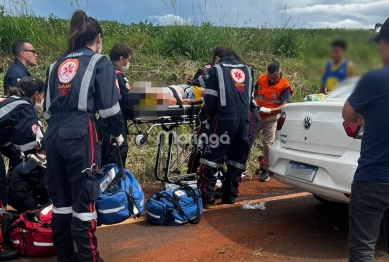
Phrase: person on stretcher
(186, 93)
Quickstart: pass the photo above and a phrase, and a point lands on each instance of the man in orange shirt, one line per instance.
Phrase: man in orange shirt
(272, 93)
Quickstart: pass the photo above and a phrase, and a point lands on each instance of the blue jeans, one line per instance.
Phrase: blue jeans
(368, 205)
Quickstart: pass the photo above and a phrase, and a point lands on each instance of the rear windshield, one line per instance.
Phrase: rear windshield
(342, 91)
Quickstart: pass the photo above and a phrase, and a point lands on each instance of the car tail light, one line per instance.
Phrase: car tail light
(281, 121)
(353, 129)
(347, 195)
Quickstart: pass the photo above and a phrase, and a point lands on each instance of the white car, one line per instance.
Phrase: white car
(314, 149)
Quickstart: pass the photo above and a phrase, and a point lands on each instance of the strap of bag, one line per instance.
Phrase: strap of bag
(176, 96)
(120, 174)
(132, 200)
(191, 192)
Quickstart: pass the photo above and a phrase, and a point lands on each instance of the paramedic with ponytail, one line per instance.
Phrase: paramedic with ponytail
(78, 85)
(19, 128)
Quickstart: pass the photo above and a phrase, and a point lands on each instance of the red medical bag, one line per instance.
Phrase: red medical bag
(31, 233)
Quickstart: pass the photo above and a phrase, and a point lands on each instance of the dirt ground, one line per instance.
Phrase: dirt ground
(294, 227)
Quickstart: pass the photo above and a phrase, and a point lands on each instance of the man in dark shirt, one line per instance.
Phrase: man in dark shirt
(25, 56)
(370, 188)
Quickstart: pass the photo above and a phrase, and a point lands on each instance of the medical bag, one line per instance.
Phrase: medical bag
(31, 233)
(175, 207)
(120, 194)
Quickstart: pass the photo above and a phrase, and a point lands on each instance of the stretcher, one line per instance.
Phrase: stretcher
(172, 154)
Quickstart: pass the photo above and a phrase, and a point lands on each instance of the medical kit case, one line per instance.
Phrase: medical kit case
(31, 233)
(175, 207)
(120, 194)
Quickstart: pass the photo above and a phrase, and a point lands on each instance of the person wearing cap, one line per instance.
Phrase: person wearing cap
(370, 188)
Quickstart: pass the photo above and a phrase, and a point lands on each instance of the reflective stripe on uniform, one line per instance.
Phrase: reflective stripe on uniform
(62, 210)
(209, 163)
(234, 66)
(27, 146)
(11, 106)
(85, 216)
(86, 80)
(236, 164)
(2, 210)
(268, 100)
(211, 92)
(201, 80)
(47, 113)
(110, 111)
(250, 82)
(222, 87)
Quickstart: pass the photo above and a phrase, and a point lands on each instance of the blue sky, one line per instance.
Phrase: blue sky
(304, 13)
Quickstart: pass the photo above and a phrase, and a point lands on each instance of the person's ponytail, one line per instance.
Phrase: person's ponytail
(15, 91)
(83, 31)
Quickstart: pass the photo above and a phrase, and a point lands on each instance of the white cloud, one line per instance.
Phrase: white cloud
(347, 23)
(171, 19)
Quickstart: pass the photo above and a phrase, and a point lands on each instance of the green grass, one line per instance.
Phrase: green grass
(173, 54)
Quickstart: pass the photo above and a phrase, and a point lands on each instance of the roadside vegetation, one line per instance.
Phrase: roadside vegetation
(173, 54)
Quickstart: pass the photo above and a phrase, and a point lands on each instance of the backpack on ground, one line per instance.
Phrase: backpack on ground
(120, 194)
(175, 207)
(31, 233)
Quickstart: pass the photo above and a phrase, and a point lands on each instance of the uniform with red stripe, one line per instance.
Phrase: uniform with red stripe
(17, 119)
(229, 88)
(78, 85)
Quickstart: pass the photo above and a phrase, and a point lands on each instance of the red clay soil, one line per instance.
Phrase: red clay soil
(294, 227)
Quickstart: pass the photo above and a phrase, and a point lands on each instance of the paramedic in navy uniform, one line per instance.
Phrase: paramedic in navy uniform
(19, 128)
(78, 85)
(120, 55)
(228, 94)
(25, 56)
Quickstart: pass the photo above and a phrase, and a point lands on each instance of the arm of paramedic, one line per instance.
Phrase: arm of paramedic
(285, 97)
(211, 99)
(107, 97)
(359, 100)
(24, 130)
(350, 70)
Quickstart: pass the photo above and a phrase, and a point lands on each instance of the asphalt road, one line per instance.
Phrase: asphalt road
(294, 227)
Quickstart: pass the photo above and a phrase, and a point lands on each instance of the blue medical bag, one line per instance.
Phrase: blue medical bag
(120, 195)
(175, 207)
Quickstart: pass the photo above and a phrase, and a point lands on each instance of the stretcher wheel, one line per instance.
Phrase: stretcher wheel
(140, 140)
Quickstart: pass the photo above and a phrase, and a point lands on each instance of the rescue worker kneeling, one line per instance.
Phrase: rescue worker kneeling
(20, 131)
(78, 85)
(27, 186)
(227, 99)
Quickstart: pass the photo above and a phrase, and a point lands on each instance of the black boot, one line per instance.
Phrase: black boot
(8, 255)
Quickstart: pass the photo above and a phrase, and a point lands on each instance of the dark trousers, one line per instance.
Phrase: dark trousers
(3, 199)
(24, 201)
(72, 150)
(106, 146)
(236, 128)
(368, 204)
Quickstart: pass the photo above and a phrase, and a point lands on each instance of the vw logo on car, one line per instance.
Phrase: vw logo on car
(307, 122)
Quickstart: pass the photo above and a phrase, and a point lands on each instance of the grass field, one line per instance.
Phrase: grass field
(173, 54)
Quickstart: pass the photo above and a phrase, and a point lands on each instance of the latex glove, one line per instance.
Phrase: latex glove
(40, 161)
(119, 139)
(265, 110)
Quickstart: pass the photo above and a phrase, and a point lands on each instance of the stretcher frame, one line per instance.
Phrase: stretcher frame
(168, 168)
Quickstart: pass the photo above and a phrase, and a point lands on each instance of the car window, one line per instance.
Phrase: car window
(344, 90)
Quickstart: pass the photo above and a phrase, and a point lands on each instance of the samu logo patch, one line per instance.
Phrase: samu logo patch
(67, 70)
